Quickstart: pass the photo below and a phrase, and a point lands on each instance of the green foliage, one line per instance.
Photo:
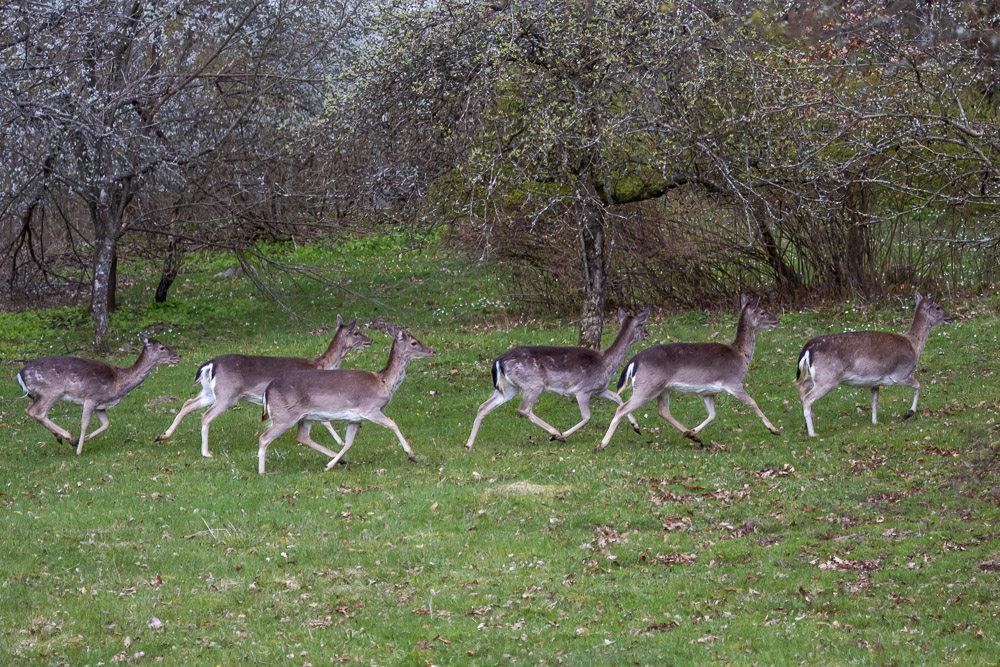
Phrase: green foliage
(869, 544)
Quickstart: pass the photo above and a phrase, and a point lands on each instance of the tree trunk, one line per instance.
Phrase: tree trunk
(594, 272)
(104, 252)
(113, 280)
(788, 280)
(171, 264)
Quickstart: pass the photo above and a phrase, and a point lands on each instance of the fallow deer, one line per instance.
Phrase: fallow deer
(568, 371)
(869, 359)
(706, 369)
(302, 397)
(230, 377)
(95, 385)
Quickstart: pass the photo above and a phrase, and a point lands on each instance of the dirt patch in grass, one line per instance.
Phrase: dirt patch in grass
(531, 489)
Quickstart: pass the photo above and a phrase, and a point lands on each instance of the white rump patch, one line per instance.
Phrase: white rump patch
(21, 382)
(207, 380)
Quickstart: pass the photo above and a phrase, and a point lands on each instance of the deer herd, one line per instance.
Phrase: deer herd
(295, 391)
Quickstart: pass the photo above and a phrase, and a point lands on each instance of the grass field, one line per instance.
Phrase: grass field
(868, 544)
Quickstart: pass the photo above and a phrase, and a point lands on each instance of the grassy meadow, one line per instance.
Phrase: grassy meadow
(866, 545)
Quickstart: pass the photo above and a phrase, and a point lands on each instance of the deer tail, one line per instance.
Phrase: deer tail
(204, 374)
(805, 361)
(20, 381)
(498, 376)
(626, 375)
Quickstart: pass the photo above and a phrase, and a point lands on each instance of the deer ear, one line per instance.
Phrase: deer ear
(391, 330)
(144, 337)
(641, 317)
(400, 335)
(744, 300)
(917, 298)
(340, 322)
(622, 315)
(352, 324)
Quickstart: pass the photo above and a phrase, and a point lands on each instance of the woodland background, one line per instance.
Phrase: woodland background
(595, 154)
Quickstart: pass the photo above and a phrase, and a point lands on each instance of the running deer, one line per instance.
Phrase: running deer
(568, 371)
(302, 397)
(95, 385)
(706, 369)
(866, 359)
(228, 378)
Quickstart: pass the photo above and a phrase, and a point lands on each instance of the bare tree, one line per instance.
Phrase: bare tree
(115, 108)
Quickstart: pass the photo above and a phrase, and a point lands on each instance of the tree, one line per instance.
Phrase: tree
(562, 112)
(114, 109)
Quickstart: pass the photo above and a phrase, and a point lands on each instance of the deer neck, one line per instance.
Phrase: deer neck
(395, 370)
(919, 331)
(614, 354)
(331, 358)
(746, 340)
(131, 377)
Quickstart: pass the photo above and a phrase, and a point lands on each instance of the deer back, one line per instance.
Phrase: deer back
(686, 366)
(248, 374)
(76, 380)
(862, 358)
(568, 370)
(872, 358)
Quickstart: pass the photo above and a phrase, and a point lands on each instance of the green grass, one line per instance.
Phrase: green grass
(869, 544)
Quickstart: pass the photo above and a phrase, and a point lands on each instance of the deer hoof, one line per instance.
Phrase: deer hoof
(637, 430)
(909, 413)
(413, 459)
(343, 462)
(775, 431)
(557, 437)
(160, 438)
(693, 436)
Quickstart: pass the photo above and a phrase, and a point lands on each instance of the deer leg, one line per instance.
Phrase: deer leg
(804, 385)
(528, 402)
(613, 396)
(380, 419)
(202, 400)
(329, 427)
(88, 410)
(105, 422)
(817, 392)
(710, 407)
(39, 411)
(352, 430)
(583, 400)
(911, 382)
(271, 434)
(875, 405)
(221, 405)
(742, 395)
(663, 409)
(620, 413)
(492, 403)
(302, 435)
